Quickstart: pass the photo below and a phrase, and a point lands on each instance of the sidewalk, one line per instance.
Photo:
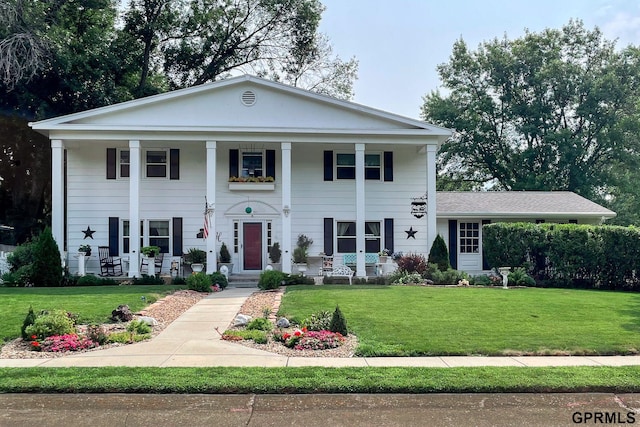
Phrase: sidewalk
(192, 341)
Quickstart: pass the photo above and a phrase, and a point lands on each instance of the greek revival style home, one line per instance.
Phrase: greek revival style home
(260, 163)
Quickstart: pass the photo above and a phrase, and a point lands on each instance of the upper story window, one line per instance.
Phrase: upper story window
(156, 163)
(345, 166)
(124, 161)
(252, 163)
(372, 166)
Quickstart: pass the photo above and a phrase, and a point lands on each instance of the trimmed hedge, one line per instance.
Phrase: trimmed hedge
(567, 255)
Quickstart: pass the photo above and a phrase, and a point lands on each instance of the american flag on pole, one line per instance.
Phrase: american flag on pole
(205, 234)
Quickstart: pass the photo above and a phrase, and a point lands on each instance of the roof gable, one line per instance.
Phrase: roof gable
(223, 104)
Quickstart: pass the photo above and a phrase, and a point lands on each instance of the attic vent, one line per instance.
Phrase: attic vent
(248, 98)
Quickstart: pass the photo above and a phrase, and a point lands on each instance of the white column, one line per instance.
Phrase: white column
(287, 244)
(431, 195)
(57, 193)
(211, 204)
(361, 270)
(134, 208)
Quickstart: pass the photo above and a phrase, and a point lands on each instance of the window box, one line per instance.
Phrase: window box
(252, 186)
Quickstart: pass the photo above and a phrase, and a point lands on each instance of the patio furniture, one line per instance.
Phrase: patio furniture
(109, 265)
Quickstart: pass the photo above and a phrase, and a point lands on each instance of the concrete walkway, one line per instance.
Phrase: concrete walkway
(192, 341)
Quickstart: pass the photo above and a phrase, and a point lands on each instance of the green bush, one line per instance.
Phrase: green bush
(56, 322)
(448, 277)
(297, 279)
(225, 256)
(28, 321)
(519, 277)
(138, 327)
(338, 322)
(219, 279)
(199, 282)
(482, 280)
(179, 281)
(318, 321)
(97, 333)
(126, 337)
(258, 336)
(404, 278)
(47, 264)
(260, 324)
(91, 280)
(146, 280)
(439, 254)
(271, 279)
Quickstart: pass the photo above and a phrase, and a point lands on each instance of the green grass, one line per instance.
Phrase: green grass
(319, 380)
(93, 304)
(414, 321)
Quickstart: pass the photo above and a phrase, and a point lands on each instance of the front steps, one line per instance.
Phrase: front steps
(243, 281)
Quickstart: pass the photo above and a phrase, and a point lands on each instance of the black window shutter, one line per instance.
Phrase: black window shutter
(453, 243)
(174, 163)
(388, 166)
(388, 235)
(111, 163)
(328, 165)
(271, 163)
(114, 236)
(328, 236)
(234, 156)
(177, 236)
(485, 264)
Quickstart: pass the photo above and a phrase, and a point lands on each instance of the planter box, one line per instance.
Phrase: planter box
(252, 186)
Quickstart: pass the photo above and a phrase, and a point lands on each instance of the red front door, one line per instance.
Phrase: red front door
(252, 232)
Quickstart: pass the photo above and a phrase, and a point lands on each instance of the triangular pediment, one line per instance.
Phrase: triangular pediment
(243, 102)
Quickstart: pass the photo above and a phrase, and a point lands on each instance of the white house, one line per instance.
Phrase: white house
(353, 179)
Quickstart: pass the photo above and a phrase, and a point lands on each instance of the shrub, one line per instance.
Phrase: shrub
(271, 279)
(260, 324)
(439, 254)
(219, 279)
(97, 333)
(319, 340)
(126, 337)
(68, 342)
(47, 265)
(275, 253)
(258, 336)
(404, 278)
(139, 327)
(318, 321)
(448, 277)
(57, 322)
(412, 263)
(28, 321)
(297, 279)
(482, 280)
(146, 280)
(179, 281)
(199, 282)
(519, 277)
(225, 256)
(338, 322)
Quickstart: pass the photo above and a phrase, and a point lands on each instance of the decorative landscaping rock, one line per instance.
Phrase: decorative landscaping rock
(283, 322)
(122, 314)
(148, 320)
(241, 320)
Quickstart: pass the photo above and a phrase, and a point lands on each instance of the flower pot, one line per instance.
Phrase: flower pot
(197, 268)
(383, 259)
(302, 268)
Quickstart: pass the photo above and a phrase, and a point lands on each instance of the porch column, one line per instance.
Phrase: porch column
(57, 194)
(431, 196)
(211, 205)
(285, 148)
(361, 270)
(134, 208)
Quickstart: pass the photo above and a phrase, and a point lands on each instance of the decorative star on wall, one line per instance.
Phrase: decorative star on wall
(411, 232)
(88, 232)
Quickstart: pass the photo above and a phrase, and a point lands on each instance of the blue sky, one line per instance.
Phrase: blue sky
(399, 43)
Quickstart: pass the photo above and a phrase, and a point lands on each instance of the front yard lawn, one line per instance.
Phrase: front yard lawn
(93, 304)
(420, 321)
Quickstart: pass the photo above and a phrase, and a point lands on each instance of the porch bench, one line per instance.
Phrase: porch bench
(340, 271)
(371, 260)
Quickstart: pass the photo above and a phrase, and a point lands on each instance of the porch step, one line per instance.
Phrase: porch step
(243, 280)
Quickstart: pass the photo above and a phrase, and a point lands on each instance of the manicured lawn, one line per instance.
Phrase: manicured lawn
(320, 380)
(93, 304)
(414, 321)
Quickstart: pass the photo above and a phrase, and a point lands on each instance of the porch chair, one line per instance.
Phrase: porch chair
(109, 265)
(157, 262)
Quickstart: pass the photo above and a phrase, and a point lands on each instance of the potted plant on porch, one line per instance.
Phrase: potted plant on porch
(85, 250)
(225, 258)
(275, 253)
(301, 253)
(196, 258)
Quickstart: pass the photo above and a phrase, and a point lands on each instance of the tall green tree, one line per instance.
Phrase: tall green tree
(548, 111)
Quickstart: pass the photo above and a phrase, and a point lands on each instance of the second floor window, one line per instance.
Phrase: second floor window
(156, 164)
(252, 163)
